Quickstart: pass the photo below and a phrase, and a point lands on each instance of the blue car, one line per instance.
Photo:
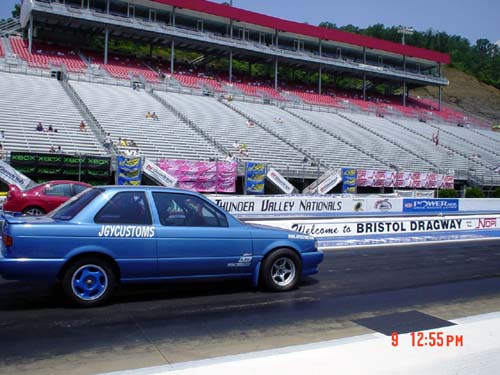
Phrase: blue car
(112, 234)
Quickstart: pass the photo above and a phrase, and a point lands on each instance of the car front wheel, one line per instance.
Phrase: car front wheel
(281, 270)
(88, 282)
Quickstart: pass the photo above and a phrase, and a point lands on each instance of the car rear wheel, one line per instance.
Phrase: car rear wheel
(281, 270)
(89, 282)
(34, 211)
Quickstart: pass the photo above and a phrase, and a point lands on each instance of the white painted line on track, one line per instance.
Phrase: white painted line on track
(366, 354)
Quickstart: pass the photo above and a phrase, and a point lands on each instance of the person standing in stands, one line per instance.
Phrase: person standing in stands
(83, 127)
(60, 150)
(108, 143)
(39, 127)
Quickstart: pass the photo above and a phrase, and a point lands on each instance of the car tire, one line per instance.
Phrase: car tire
(34, 211)
(88, 281)
(281, 270)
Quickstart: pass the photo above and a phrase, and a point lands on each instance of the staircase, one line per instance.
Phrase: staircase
(90, 119)
(12, 26)
(190, 123)
(261, 125)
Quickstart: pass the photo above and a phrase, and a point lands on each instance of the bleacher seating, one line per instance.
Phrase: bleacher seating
(122, 67)
(27, 100)
(46, 55)
(2, 53)
(227, 126)
(168, 137)
(197, 82)
(323, 146)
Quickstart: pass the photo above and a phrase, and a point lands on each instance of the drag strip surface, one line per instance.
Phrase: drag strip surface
(152, 325)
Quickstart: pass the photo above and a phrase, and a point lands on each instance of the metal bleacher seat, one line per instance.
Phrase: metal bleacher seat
(27, 100)
(122, 112)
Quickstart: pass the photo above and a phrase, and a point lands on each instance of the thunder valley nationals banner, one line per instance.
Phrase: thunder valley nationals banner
(202, 176)
(414, 180)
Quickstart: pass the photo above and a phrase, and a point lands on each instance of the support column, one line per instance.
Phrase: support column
(276, 74)
(404, 63)
(364, 55)
(404, 93)
(108, 5)
(172, 56)
(276, 38)
(231, 29)
(30, 34)
(440, 97)
(364, 86)
(106, 43)
(173, 16)
(230, 66)
(319, 79)
(320, 48)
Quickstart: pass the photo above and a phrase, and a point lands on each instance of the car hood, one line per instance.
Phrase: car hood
(266, 231)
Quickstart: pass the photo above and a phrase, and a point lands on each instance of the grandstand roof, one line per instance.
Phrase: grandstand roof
(243, 15)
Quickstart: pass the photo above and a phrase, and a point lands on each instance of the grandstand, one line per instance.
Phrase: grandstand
(299, 130)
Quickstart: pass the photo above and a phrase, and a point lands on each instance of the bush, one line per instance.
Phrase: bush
(448, 193)
(474, 193)
(496, 193)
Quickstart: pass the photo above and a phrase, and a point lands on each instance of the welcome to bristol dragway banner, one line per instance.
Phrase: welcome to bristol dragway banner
(414, 180)
(202, 176)
(389, 225)
(128, 170)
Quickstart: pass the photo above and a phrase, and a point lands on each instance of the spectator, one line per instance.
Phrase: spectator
(148, 115)
(59, 150)
(1, 151)
(154, 116)
(50, 129)
(236, 145)
(52, 150)
(39, 127)
(83, 127)
(108, 143)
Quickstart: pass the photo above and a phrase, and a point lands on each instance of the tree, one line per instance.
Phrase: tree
(474, 193)
(448, 193)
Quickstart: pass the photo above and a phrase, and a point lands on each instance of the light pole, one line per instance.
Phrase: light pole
(405, 31)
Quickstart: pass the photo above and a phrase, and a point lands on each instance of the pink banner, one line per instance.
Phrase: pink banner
(202, 176)
(414, 180)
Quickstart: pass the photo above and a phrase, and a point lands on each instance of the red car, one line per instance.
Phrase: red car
(42, 198)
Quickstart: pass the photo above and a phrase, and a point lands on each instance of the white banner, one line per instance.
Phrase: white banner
(388, 225)
(279, 181)
(248, 206)
(157, 174)
(11, 176)
(329, 183)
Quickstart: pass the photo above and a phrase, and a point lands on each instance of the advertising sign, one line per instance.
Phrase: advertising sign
(349, 183)
(10, 176)
(279, 181)
(157, 174)
(414, 180)
(128, 170)
(39, 166)
(329, 183)
(430, 205)
(255, 180)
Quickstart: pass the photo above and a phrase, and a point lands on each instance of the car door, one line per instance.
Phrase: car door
(55, 195)
(195, 240)
(125, 229)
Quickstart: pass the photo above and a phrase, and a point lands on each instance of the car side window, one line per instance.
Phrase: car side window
(61, 190)
(128, 207)
(184, 210)
(77, 189)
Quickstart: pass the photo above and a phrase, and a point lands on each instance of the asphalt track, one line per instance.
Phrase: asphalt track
(154, 325)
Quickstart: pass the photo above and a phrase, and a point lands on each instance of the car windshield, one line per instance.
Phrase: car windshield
(68, 210)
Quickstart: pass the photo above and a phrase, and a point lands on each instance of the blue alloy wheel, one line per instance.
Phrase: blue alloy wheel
(89, 282)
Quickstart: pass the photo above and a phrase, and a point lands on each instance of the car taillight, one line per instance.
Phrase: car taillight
(7, 240)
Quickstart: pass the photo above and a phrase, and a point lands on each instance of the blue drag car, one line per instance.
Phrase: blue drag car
(112, 234)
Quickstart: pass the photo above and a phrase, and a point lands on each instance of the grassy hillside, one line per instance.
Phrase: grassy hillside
(466, 93)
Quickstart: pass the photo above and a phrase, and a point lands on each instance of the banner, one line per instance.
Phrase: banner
(128, 170)
(349, 183)
(279, 181)
(329, 183)
(382, 226)
(430, 205)
(414, 180)
(255, 178)
(10, 176)
(208, 177)
(157, 174)
(40, 166)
